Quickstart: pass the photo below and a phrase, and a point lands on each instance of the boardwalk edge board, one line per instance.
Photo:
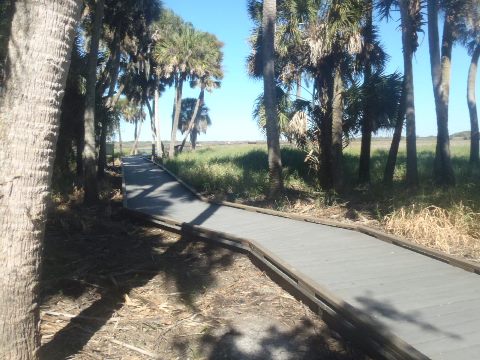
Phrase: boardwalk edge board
(358, 326)
(377, 234)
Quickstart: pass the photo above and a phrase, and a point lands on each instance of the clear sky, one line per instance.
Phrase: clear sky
(231, 105)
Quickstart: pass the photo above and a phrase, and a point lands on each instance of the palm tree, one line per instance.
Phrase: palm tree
(440, 68)
(89, 151)
(269, 92)
(200, 114)
(176, 57)
(38, 51)
(468, 29)
(208, 72)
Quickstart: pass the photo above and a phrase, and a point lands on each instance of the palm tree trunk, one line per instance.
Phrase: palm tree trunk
(440, 69)
(152, 128)
(176, 117)
(156, 114)
(325, 94)
(89, 151)
(397, 136)
(191, 124)
(115, 67)
(138, 130)
(120, 143)
(472, 108)
(39, 57)
(269, 91)
(299, 87)
(337, 131)
(367, 123)
(407, 42)
(193, 139)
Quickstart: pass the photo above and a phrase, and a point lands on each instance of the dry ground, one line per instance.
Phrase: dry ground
(114, 289)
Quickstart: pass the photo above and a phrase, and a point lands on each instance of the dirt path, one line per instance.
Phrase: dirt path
(113, 289)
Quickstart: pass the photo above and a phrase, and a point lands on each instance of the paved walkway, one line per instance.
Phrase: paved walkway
(428, 304)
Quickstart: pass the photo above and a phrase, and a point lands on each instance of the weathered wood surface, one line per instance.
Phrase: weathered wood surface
(430, 305)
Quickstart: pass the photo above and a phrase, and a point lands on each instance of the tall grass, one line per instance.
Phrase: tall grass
(445, 218)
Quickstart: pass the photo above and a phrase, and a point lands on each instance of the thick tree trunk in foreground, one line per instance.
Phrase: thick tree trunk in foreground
(397, 136)
(38, 60)
(440, 69)
(176, 117)
(337, 131)
(191, 123)
(269, 91)
(156, 114)
(367, 124)
(472, 108)
(89, 150)
(408, 46)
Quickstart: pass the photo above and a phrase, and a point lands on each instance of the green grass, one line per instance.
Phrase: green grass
(239, 173)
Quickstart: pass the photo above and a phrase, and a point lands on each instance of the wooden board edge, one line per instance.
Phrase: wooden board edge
(381, 342)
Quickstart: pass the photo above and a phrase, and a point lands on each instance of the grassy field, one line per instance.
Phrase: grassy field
(447, 219)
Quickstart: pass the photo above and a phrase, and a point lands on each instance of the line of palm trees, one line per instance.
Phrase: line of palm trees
(126, 54)
(335, 46)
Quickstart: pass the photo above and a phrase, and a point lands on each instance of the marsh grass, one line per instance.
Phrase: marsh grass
(445, 218)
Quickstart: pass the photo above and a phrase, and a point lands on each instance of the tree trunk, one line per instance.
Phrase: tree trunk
(337, 131)
(325, 94)
(397, 136)
(407, 42)
(89, 151)
(270, 101)
(120, 143)
(193, 139)
(156, 114)
(152, 128)
(472, 108)
(36, 71)
(299, 86)
(176, 117)
(137, 137)
(115, 67)
(191, 124)
(440, 69)
(367, 123)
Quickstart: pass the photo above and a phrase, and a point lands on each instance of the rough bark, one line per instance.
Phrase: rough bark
(299, 87)
(269, 91)
(397, 136)
(152, 128)
(440, 69)
(89, 150)
(472, 108)
(337, 131)
(367, 123)
(176, 117)
(325, 97)
(156, 114)
(36, 71)
(191, 124)
(407, 42)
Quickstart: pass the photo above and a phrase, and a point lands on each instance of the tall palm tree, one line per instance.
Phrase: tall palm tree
(89, 151)
(176, 56)
(411, 18)
(440, 63)
(39, 48)
(269, 93)
(208, 74)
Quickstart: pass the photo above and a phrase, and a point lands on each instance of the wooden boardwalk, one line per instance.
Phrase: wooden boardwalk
(408, 304)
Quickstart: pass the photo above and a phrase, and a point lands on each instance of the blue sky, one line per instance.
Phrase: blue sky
(231, 105)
